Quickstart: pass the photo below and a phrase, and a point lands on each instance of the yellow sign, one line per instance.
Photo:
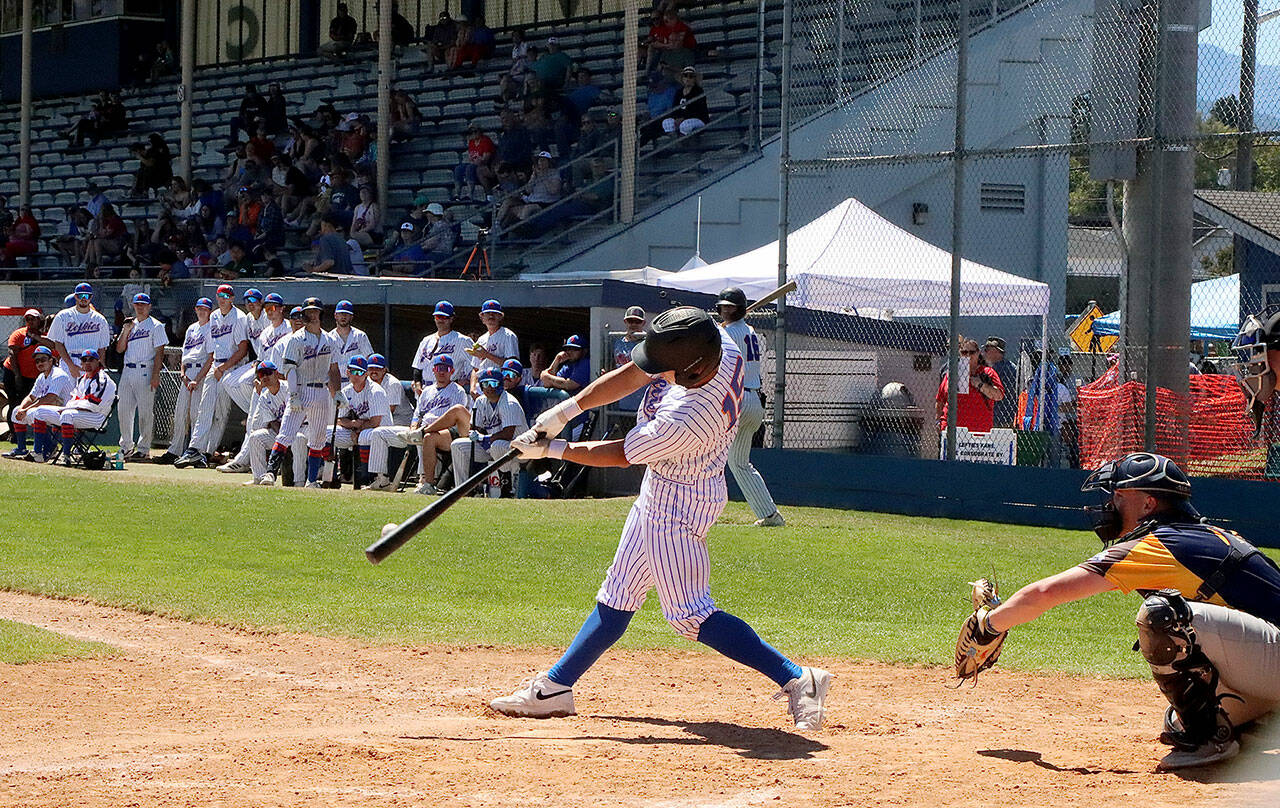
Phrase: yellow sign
(1081, 333)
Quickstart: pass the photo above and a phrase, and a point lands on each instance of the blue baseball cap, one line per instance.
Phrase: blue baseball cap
(267, 366)
(377, 360)
(253, 294)
(84, 289)
(42, 351)
(491, 377)
(575, 341)
(142, 297)
(443, 361)
(344, 306)
(69, 301)
(513, 366)
(273, 299)
(358, 363)
(205, 302)
(443, 309)
(491, 305)
(295, 313)
(87, 353)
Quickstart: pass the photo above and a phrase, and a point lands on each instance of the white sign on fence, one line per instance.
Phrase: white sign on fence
(999, 446)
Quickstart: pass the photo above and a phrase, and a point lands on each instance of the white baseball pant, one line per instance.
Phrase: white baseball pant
(212, 419)
(342, 438)
(69, 416)
(744, 474)
(185, 412)
(238, 384)
(381, 439)
(260, 443)
(136, 398)
(317, 414)
(664, 547)
(463, 449)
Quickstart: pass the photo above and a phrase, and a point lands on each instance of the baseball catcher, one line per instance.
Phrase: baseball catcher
(1209, 623)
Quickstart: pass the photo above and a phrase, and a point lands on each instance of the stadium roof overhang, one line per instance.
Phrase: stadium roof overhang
(1251, 215)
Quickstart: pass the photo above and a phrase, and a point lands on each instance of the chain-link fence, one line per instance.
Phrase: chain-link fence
(1112, 181)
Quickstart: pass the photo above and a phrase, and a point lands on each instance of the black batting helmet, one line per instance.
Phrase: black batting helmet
(733, 296)
(312, 304)
(683, 339)
(1140, 471)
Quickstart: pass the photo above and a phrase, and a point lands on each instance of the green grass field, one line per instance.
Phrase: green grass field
(21, 643)
(865, 585)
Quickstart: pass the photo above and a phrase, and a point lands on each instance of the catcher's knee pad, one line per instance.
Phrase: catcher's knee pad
(1186, 677)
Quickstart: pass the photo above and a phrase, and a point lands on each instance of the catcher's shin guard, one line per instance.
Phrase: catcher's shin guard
(1186, 677)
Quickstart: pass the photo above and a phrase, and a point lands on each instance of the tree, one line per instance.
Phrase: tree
(1226, 111)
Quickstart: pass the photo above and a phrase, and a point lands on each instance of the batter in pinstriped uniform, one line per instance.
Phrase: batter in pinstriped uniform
(733, 308)
(683, 431)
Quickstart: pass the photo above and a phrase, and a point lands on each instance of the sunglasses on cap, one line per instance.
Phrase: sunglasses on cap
(225, 295)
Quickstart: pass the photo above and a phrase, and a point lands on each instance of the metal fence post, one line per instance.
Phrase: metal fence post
(188, 55)
(385, 70)
(24, 134)
(784, 228)
(957, 227)
(630, 57)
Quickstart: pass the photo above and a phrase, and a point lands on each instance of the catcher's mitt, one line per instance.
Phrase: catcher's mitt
(978, 647)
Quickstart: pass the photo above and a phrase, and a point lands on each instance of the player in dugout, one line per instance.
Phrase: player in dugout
(1209, 623)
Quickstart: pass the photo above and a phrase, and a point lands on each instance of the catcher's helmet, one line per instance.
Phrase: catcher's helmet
(312, 304)
(1140, 471)
(733, 296)
(682, 339)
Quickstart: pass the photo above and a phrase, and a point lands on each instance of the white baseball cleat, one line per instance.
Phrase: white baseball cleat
(538, 698)
(232, 467)
(427, 489)
(772, 520)
(253, 481)
(806, 697)
(380, 483)
(313, 484)
(1203, 755)
(266, 479)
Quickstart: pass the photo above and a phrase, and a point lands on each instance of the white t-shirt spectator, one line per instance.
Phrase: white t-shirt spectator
(358, 266)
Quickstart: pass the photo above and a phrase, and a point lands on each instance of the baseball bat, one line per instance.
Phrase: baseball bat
(409, 528)
(785, 289)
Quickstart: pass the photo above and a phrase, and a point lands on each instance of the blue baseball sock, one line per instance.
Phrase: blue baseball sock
(601, 629)
(20, 437)
(37, 442)
(313, 468)
(735, 639)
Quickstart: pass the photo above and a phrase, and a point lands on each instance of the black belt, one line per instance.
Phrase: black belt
(315, 384)
(220, 361)
(192, 365)
(138, 365)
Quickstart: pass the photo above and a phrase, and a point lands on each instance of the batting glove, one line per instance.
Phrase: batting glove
(553, 421)
(542, 447)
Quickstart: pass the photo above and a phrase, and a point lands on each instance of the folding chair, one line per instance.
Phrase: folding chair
(85, 450)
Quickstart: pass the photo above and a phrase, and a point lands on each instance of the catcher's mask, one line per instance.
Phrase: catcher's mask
(95, 460)
(1255, 374)
(1137, 471)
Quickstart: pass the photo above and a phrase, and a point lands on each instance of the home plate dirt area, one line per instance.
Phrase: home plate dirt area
(190, 714)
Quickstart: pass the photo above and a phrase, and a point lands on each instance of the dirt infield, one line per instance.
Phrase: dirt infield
(200, 715)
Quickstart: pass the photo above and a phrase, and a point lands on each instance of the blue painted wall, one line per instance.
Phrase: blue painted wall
(83, 57)
(1017, 495)
(1260, 267)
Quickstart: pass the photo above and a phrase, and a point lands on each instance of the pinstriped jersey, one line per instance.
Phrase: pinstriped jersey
(493, 418)
(434, 401)
(145, 337)
(367, 403)
(751, 346)
(502, 342)
(271, 406)
(226, 332)
(195, 349)
(56, 381)
(684, 434)
(269, 344)
(356, 343)
(254, 327)
(307, 358)
(453, 345)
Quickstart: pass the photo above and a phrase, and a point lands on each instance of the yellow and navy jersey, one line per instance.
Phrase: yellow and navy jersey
(1203, 562)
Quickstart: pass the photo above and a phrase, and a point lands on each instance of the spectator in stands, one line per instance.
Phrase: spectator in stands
(291, 184)
(511, 82)
(155, 169)
(598, 190)
(659, 101)
(19, 365)
(402, 33)
(514, 143)
(482, 36)
(671, 44)
(240, 265)
(436, 244)
(342, 34)
(71, 235)
(253, 112)
(6, 214)
(209, 224)
(366, 219)
(551, 69)
(975, 396)
(440, 38)
(164, 62)
(244, 222)
(270, 236)
(275, 117)
(477, 168)
(582, 95)
(177, 196)
(332, 254)
(539, 120)
(542, 190)
(106, 239)
(690, 109)
(406, 118)
(95, 202)
(24, 237)
(260, 147)
(106, 118)
(464, 48)
(1006, 410)
(343, 197)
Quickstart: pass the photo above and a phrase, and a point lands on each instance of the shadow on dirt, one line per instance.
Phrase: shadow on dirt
(1027, 756)
(750, 742)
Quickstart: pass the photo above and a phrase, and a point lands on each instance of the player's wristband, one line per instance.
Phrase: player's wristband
(556, 418)
(555, 449)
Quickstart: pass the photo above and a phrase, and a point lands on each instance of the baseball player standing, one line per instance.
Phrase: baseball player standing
(496, 345)
(228, 347)
(243, 384)
(682, 433)
(141, 343)
(351, 340)
(79, 328)
(195, 360)
(88, 407)
(733, 308)
(445, 342)
(53, 387)
(310, 362)
(1209, 623)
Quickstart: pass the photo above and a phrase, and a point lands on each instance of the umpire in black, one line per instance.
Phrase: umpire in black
(1209, 624)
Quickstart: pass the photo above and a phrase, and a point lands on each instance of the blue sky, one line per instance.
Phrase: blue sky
(1225, 31)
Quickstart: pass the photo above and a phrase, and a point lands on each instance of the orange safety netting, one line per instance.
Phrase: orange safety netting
(1220, 434)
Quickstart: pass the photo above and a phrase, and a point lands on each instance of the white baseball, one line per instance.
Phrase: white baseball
(387, 528)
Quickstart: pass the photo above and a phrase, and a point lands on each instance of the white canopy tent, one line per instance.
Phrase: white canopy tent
(854, 261)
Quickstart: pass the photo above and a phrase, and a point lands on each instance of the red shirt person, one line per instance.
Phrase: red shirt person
(975, 407)
(20, 365)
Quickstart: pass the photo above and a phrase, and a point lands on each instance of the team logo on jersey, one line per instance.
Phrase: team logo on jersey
(139, 333)
(194, 341)
(220, 329)
(76, 329)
